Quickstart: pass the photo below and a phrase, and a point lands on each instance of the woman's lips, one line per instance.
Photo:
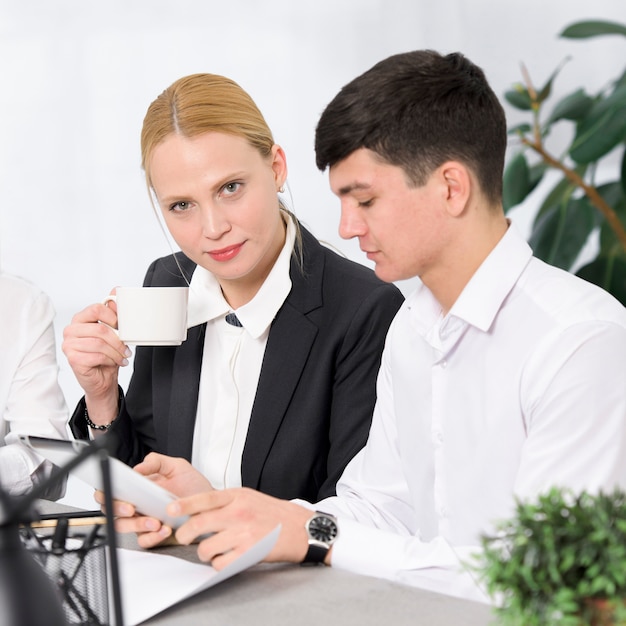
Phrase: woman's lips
(225, 254)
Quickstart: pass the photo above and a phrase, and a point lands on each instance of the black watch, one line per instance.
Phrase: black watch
(322, 530)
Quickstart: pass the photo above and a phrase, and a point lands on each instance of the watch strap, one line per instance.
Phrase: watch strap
(316, 553)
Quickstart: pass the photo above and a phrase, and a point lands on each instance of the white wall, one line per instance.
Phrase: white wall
(78, 75)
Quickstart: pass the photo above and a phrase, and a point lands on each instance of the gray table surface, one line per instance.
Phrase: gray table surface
(305, 596)
(288, 594)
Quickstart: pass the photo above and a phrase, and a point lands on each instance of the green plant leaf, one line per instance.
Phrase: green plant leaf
(516, 181)
(520, 129)
(536, 173)
(623, 172)
(519, 97)
(593, 28)
(608, 270)
(609, 242)
(546, 90)
(572, 107)
(613, 195)
(609, 273)
(559, 193)
(562, 231)
(603, 128)
(580, 537)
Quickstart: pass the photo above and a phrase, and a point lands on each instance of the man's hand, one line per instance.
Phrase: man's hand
(239, 518)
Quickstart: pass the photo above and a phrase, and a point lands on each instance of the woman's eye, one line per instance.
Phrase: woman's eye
(366, 203)
(230, 188)
(179, 206)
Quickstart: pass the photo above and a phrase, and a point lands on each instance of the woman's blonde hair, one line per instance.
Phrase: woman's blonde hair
(202, 103)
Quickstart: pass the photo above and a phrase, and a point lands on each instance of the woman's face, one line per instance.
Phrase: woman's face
(218, 196)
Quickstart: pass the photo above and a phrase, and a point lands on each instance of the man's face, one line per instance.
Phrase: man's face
(400, 228)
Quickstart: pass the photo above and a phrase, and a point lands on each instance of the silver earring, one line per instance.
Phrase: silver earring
(281, 189)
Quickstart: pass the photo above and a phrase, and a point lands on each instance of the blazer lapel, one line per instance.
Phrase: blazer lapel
(286, 353)
(184, 393)
(289, 344)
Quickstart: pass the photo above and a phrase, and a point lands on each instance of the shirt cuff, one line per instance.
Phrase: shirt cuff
(16, 467)
(432, 565)
(384, 554)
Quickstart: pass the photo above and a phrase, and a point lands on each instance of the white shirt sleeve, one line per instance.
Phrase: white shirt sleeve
(31, 399)
(575, 411)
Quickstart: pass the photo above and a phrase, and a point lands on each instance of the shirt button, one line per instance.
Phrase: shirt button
(438, 438)
(444, 364)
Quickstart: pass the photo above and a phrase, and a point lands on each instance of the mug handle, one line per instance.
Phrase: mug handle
(111, 298)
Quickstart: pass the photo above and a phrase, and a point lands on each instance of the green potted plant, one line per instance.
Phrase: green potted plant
(577, 205)
(560, 559)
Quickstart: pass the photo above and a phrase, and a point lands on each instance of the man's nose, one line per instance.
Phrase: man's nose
(351, 223)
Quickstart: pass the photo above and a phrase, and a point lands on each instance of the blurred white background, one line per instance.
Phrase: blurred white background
(78, 75)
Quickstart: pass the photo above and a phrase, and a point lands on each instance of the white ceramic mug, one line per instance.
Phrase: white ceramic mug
(151, 316)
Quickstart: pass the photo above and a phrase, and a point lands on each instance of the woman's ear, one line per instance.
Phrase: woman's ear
(458, 186)
(279, 166)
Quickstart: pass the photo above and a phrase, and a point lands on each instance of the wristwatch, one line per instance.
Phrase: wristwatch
(322, 530)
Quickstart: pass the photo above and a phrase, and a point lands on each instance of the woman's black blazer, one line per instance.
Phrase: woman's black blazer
(316, 390)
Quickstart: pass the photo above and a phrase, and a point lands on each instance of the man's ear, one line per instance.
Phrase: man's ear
(458, 185)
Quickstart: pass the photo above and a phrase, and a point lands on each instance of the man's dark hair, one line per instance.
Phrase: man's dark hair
(418, 110)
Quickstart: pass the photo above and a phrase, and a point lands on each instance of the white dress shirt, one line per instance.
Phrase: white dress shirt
(31, 401)
(521, 386)
(231, 365)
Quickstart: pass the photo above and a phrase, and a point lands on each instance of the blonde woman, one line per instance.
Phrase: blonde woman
(274, 387)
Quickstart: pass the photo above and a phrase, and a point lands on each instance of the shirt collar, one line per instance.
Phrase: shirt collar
(206, 301)
(483, 296)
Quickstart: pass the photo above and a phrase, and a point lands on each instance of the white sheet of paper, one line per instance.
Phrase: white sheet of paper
(150, 583)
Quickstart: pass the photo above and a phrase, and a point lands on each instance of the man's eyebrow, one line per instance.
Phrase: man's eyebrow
(357, 186)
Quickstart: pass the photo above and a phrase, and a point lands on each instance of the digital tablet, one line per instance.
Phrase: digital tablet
(127, 484)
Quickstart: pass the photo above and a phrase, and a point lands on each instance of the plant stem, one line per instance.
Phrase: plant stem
(535, 104)
(592, 193)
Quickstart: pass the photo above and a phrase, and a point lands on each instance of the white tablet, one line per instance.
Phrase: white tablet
(127, 484)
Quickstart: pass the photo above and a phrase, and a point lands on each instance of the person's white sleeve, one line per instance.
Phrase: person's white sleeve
(432, 565)
(15, 470)
(21, 470)
(370, 551)
(576, 412)
(34, 403)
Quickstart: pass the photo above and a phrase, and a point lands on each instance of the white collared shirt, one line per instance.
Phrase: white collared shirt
(521, 386)
(231, 365)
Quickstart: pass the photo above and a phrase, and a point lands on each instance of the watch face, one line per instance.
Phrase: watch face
(322, 528)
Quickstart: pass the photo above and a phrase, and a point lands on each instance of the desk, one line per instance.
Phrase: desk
(287, 594)
(313, 596)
